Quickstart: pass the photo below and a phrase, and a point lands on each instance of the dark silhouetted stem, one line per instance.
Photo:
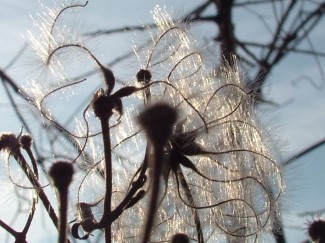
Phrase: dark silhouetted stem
(34, 163)
(32, 178)
(158, 162)
(190, 198)
(63, 216)
(61, 173)
(108, 179)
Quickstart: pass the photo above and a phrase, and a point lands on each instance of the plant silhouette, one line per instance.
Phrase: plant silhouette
(174, 154)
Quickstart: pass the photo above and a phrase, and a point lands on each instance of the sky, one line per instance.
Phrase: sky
(298, 122)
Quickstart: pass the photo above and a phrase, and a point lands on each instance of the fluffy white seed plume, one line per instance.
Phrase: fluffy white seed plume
(62, 54)
(221, 181)
(235, 183)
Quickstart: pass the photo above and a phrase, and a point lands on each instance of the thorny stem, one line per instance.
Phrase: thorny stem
(158, 155)
(108, 178)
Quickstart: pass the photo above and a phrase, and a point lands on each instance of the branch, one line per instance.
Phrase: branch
(20, 92)
(226, 30)
(304, 152)
(255, 2)
(288, 49)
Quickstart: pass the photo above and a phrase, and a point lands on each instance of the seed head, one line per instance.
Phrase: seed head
(8, 142)
(26, 141)
(157, 122)
(61, 173)
(316, 230)
(102, 105)
(143, 76)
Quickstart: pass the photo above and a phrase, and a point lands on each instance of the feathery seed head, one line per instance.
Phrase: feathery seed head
(234, 168)
(223, 171)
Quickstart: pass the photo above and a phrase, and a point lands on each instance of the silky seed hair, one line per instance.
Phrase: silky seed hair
(228, 112)
(56, 44)
(225, 181)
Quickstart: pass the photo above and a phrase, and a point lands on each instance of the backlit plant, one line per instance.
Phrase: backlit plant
(174, 153)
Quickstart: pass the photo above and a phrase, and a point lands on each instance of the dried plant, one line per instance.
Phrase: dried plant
(174, 154)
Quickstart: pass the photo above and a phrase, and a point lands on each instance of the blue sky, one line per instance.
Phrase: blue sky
(299, 122)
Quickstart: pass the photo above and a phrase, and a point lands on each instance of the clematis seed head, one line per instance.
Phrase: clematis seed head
(143, 76)
(157, 122)
(26, 141)
(61, 172)
(101, 105)
(8, 142)
(316, 230)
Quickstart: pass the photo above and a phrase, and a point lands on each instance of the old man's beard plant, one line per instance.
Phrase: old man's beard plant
(173, 153)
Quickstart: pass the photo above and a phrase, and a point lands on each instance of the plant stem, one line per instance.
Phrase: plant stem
(32, 159)
(190, 198)
(8, 228)
(108, 179)
(157, 168)
(63, 194)
(34, 181)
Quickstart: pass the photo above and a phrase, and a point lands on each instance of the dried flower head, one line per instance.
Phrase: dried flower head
(61, 172)
(8, 142)
(220, 177)
(316, 230)
(158, 121)
(26, 141)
